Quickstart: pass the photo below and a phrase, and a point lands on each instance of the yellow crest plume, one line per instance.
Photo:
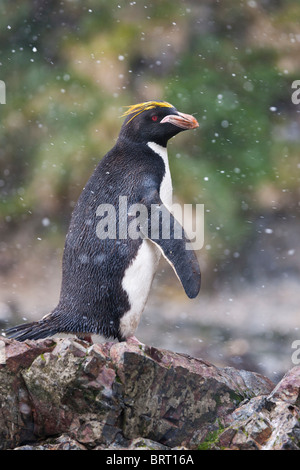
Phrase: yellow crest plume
(137, 109)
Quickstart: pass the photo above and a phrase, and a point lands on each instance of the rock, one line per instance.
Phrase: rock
(288, 389)
(19, 355)
(132, 396)
(63, 442)
(264, 422)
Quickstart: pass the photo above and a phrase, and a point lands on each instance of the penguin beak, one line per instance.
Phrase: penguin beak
(184, 121)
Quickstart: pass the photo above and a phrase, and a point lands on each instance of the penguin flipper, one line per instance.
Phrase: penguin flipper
(162, 229)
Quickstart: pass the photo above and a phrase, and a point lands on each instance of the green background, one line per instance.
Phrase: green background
(70, 67)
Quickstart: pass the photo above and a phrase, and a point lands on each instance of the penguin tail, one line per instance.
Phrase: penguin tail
(35, 330)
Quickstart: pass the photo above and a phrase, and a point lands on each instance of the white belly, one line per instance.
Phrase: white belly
(137, 283)
(139, 275)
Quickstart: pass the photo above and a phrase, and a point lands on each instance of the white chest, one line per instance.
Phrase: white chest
(166, 189)
(139, 275)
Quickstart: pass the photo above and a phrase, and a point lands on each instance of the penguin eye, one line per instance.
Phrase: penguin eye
(154, 118)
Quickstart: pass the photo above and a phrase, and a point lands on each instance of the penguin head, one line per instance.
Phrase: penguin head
(155, 121)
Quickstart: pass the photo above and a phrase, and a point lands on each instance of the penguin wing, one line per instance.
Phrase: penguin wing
(162, 229)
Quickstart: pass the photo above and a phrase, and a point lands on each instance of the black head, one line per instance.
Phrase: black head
(155, 121)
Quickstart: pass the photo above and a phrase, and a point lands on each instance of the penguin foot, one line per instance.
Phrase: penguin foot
(133, 340)
(85, 336)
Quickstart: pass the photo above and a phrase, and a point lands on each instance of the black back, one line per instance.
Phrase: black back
(93, 269)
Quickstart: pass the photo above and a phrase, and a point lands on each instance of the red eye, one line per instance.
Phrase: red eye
(154, 118)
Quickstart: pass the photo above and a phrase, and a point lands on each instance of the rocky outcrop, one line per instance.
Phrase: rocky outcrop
(69, 394)
(269, 422)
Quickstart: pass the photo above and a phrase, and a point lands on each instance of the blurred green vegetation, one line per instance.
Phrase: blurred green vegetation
(70, 67)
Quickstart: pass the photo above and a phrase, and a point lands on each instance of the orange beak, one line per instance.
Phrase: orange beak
(184, 121)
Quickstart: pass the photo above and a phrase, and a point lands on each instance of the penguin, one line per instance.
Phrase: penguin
(106, 274)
